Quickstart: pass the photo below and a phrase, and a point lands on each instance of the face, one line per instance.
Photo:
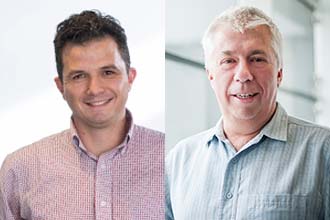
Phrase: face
(243, 73)
(95, 82)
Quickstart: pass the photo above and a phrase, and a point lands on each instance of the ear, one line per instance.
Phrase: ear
(59, 85)
(279, 77)
(209, 74)
(131, 76)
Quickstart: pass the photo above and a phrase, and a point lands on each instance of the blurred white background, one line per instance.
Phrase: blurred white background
(31, 106)
(190, 104)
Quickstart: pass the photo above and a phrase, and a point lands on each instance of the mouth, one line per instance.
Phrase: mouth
(98, 103)
(245, 95)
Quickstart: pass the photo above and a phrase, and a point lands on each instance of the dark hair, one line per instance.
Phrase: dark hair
(86, 26)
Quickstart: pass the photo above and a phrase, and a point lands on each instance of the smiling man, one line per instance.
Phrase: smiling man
(104, 166)
(257, 162)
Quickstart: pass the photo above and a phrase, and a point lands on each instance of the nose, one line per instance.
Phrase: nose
(243, 72)
(95, 85)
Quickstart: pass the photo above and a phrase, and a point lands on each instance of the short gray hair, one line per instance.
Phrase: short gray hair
(242, 18)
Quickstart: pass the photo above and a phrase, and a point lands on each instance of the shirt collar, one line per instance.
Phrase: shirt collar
(276, 128)
(216, 133)
(122, 147)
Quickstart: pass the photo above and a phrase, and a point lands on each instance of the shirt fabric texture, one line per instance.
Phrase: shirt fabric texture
(57, 179)
(281, 174)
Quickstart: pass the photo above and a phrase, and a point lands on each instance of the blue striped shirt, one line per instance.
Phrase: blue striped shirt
(281, 174)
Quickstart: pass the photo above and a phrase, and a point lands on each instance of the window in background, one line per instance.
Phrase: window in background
(185, 79)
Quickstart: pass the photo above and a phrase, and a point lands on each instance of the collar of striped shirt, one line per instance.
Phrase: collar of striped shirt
(276, 128)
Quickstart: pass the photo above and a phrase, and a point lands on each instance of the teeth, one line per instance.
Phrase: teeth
(244, 96)
(98, 103)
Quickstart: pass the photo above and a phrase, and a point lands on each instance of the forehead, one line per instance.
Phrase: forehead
(104, 45)
(91, 55)
(226, 38)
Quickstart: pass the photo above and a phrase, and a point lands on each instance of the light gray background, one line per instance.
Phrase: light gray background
(31, 106)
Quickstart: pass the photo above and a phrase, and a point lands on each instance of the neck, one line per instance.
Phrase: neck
(101, 140)
(246, 131)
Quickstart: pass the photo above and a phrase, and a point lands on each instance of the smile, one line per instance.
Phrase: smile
(245, 95)
(98, 103)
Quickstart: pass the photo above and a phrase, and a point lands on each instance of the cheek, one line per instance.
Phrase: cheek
(266, 77)
(220, 86)
(69, 97)
(269, 86)
(224, 79)
(121, 86)
(71, 94)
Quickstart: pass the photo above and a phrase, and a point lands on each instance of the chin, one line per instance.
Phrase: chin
(245, 115)
(98, 119)
(99, 123)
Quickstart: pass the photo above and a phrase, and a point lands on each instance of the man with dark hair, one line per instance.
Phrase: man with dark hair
(104, 166)
(86, 26)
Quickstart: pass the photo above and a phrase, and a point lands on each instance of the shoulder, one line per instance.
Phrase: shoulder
(188, 147)
(310, 136)
(43, 145)
(304, 123)
(35, 152)
(147, 142)
(307, 129)
(148, 134)
(191, 143)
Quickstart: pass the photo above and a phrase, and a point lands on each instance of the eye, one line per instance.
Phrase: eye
(258, 59)
(108, 72)
(227, 61)
(78, 76)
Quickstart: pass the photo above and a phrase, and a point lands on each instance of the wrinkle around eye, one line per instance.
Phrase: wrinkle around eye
(258, 59)
(109, 72)
(78, 76)
(227, 61)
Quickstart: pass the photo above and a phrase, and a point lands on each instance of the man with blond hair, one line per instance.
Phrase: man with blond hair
(257, 162)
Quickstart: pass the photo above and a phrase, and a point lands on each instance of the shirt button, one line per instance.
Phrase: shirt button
(229, 195)
(234, 160)
(103, 203)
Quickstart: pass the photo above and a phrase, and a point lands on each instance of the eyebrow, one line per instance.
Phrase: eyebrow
(109, 67)
(227, 52)
(72, 72)
(254, 52)
(257, 52)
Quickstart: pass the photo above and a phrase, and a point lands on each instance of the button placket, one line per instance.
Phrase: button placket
(230, 187)
(103, 203)
(103, 187)
(229, 195)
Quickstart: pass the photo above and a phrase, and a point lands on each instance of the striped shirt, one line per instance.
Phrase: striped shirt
(281, 174)
(57, 179)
